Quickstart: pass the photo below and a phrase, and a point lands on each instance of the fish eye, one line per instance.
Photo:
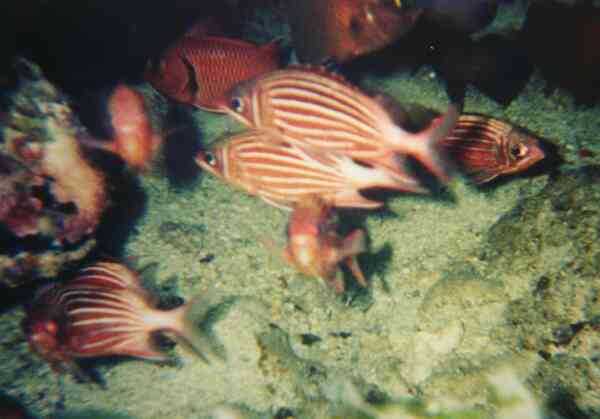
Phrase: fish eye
(237, 104)
(518, 150)
(51, 327)
(210, 158)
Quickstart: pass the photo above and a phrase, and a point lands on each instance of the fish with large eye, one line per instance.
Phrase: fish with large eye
(484, 148)
(103, 311)
(282, 174)
(308, 107)
(199, 69)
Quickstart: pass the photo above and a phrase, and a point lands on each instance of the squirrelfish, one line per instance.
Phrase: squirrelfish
(103, 311)
(200, 70)
(282, 174)
(345, 29)
(315, 248)
(484, 148)
(311, 108)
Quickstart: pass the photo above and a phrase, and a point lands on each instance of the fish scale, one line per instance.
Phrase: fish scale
(199, 70)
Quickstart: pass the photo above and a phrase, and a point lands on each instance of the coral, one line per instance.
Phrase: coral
(51, 194)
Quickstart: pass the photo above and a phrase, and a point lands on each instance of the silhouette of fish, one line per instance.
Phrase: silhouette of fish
(341, 30)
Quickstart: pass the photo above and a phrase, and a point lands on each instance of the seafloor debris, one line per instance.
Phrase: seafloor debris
(507, 394)
(52, 197)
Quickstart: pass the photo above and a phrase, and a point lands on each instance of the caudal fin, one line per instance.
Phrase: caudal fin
(354, 244)
(426, 147)
(194, 330)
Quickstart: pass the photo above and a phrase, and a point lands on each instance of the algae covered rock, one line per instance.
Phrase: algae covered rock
(53, 197)
(548, 247)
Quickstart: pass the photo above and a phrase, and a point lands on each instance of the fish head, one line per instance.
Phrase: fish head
(213, 161)
(239, 104)
(522, 150)
(42, 335)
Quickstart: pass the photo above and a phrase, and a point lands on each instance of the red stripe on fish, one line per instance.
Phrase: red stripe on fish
(484, 148)
(103, 311)
(282, 173)
(310, 108)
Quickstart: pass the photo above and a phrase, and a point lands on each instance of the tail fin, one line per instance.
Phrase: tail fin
(352, 245)
(426, 148)
(194, 326)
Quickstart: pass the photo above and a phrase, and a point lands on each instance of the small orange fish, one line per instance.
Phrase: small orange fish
(103, 311)
(315, 249)
(135, 141)
(484, 148)
(345, 29)
(282, 174)
(200, 70)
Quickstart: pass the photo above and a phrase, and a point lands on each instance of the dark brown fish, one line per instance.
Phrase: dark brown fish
(199, 70)
(345, 29)
(484, 148)
(568, 57)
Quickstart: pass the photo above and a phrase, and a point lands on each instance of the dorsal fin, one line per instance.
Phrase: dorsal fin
(272, 48)
(225, 41)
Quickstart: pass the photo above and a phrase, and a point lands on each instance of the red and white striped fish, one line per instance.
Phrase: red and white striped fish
(282, 174)
(311, 108)
(484, 148)
(103, 311)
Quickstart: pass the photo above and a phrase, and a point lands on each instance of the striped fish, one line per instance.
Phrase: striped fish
(309, 107)
(103, 311)
(484, 148)
(282, 174)
(199, 69)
